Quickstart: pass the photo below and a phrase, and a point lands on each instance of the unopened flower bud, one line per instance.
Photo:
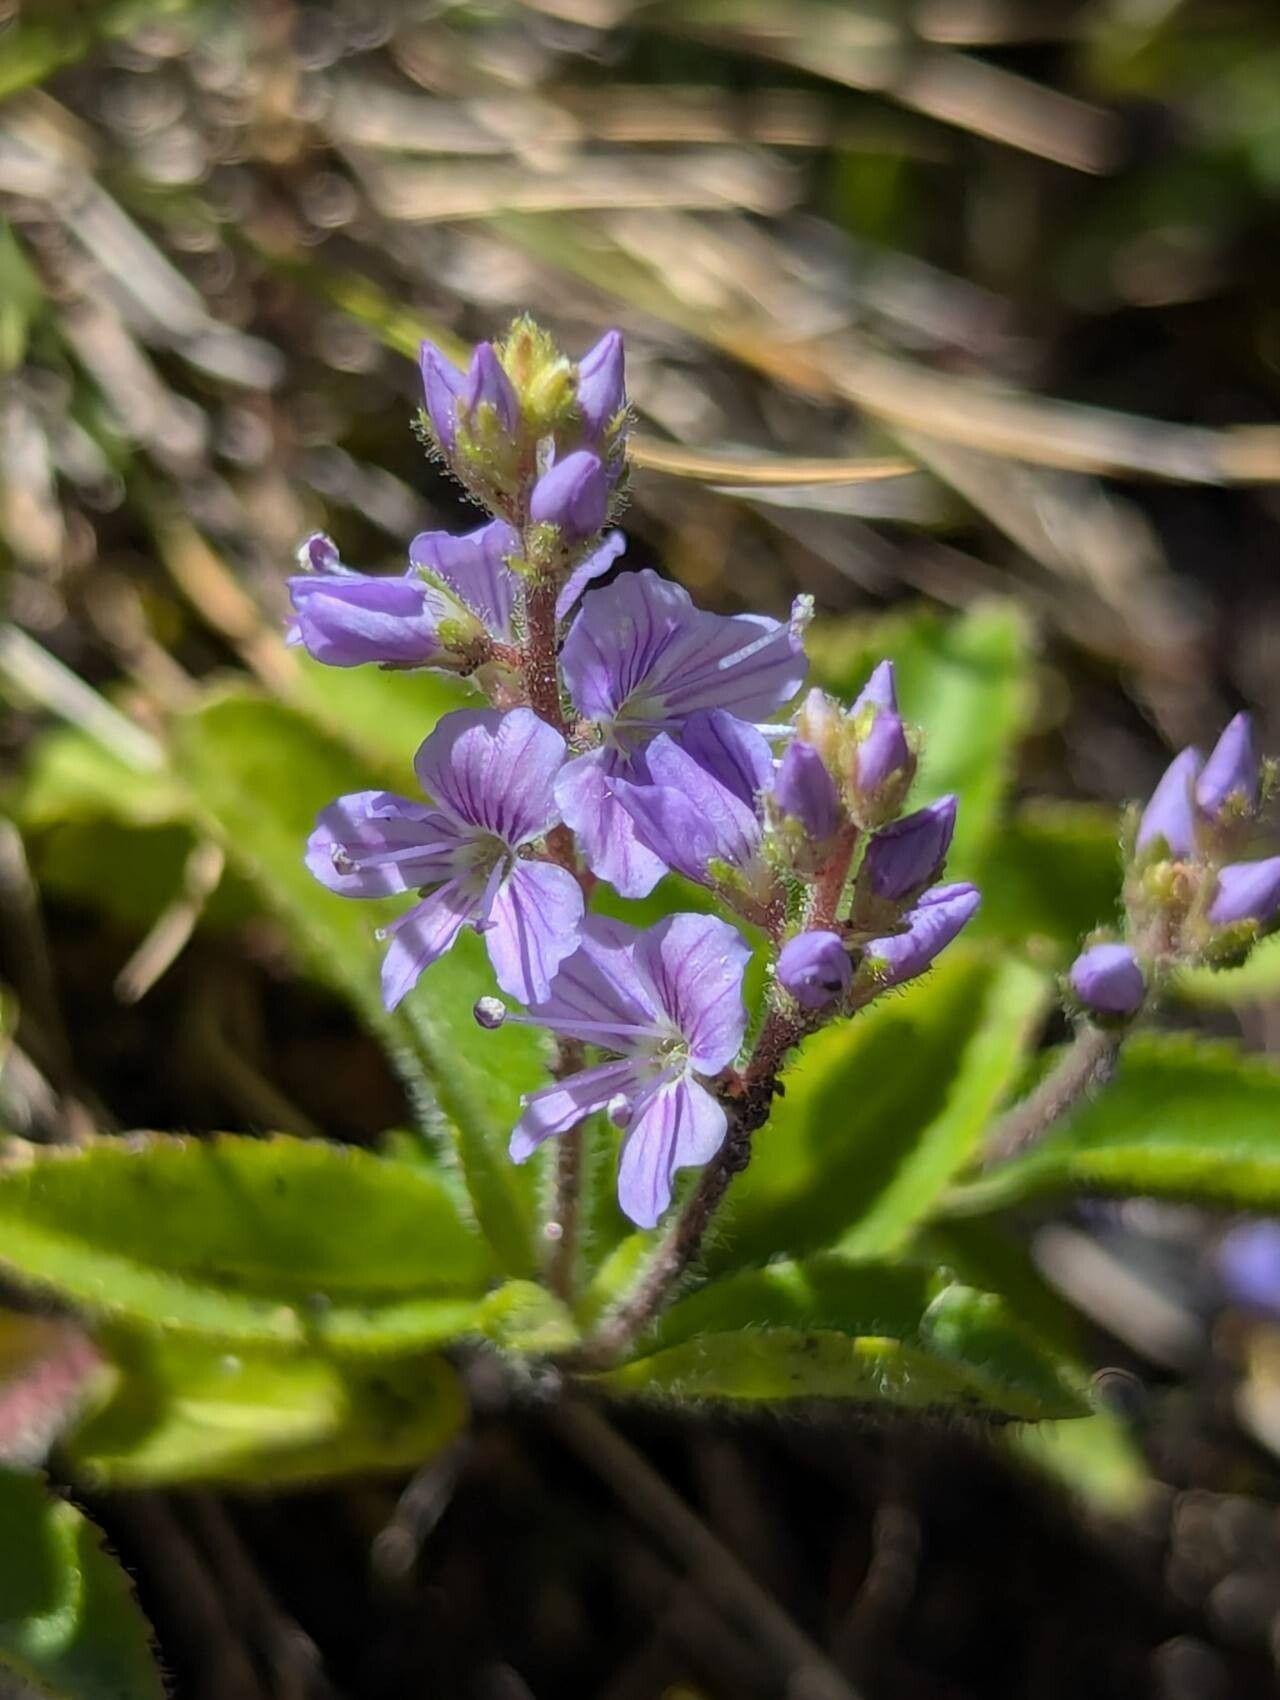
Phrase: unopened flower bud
(907, 855)
(880, 690)
(1247, 891)
(815, 969)
(490, 1012)
(347, 619)
(1170, 815)
(930, 927)
(883, 768)
(455, 399)
(805, 790)
(602, 393)
(820, 722)
(573, 495)
(1107, 980)
(487, 385)
(442, 384)
(1231, 774)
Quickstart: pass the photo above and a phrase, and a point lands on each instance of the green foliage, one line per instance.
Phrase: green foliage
(280, 1242)
(880, 1113)
(261, 772)
(1182, 1119)
(1051, 875)
(830, 1328)
(184, 1410)
(69, 1624)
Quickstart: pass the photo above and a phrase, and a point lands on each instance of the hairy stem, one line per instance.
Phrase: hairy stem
(540, 673)
(748, 1104)
(1087, 1063)
(831, 883)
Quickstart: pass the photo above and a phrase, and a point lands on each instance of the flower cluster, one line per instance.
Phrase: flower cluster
(1189, 898)
(627, 735)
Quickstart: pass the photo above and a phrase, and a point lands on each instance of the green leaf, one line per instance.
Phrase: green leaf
(1050, 876)
(185, 1411)
(71, 776)
(261, 772)
(522, 1316)
(881, 1112)
(1096, 1459)
(965, 682)
(69, 1624)
(1182, 1119)
(382, 716)
(285, 1242)
(831, 1329)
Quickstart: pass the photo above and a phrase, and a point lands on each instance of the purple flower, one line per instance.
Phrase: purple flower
(1107, 978)
(668, 1004)
(639, 660)
(491, 778)
(804, 789)
(474, 567)
(1170, 815)
(815, 969)
(700, 804)
(1231, 773)
(573, 495)
(1248, 1262)
(453, 397)
(930, 927)
(904, 856)
(602, 393)
(880, 690)
(593, 566)
(345, 619)
(1247, 891)
(883, 754)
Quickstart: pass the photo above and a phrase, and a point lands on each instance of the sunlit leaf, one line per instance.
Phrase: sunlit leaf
(830, 1329)
(185, 1410)
(280, 1241)
(881, 1112)
(69, 1624)
(1183, 1118)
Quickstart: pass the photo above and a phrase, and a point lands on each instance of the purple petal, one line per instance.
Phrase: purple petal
(880, 690)
(695, 965)
(1170, 814)
(487, 385)
(678, 1125)
(605, 832)
(1247, 891)
(374, 844)
(601, 996)
(1231, 771)
(686, 816)
(557, 1109)
(602, 384)
(493, 770)
(536, 920)
(426, 932)
(815, 968)
(639, 644)
(442, 385)
(906, 855)
(594, 566)
(474, 566)
(805, 789)
(931, 925)
(346, 619)
(731, 751)
(1107, 978)
(574, 495)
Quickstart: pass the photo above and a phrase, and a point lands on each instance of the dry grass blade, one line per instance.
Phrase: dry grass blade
(877, 54)
(719, 467)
